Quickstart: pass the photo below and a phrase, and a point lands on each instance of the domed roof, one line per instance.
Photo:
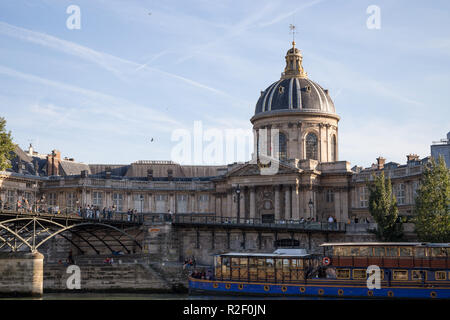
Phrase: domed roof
(294, 91)
(299, 94)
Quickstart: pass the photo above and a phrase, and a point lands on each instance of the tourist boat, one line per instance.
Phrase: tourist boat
(405, 270)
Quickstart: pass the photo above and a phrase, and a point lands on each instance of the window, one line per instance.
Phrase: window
(440, 275)
(359, 274)
(343, 273)
(378, 251)
(161, 197)
(118, 201)
(311, 146)
(52, 199)
(405, 252)
(330, 196)
(10, 197)
(364, 196)
(417, 275)
(70, 199)
(400, 193)
(203, 197)
(182, 197)
(415, 187)
(138, 202)
(400, 275)
(282, 146)
(392, 251)
(333, 148)
(97, 199)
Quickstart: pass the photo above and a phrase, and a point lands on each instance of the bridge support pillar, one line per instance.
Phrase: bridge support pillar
(21, 274)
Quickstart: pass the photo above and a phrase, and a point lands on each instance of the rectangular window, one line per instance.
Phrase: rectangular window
(70, 200)
(364, 196)
(400, 275)
(97, 199)
(359, 274)
(415, 187)
(417, 275)
(392, 251)
(52, 199)
(343, 273)
(182, 197)
(400, 193)
(378, 251)
(203, 197)
(330, 196)
(440, 275)
(405, 252)
(161, 197)
(10, 197)
(118, 201)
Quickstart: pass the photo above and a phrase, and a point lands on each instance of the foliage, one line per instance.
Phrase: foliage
(432, 208)
(384, 210)
(6, 146)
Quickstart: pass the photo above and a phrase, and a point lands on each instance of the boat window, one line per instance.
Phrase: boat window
(343, 273)
(226, 261)
(218, 261)
(392, 251)
(405, 252)
(285, 264)
(440, 275)
(359, 274)
(364, 251)
(400, 275)
(354, 251)
(244, 262)
(417, 274)
(269, 263)
(261, 262)
(346, 251)
(252, 262)
(337, 251)
(379, 251)
(279, 263)
(439, 252)
(420, 252)
(235, 262)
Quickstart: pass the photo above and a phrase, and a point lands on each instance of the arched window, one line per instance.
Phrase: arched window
(311, 146)
(333, 148)
(282, 146)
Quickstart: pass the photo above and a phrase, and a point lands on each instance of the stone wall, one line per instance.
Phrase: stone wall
(21, 274)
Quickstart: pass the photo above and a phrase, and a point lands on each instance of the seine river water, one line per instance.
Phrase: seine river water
(150, 296)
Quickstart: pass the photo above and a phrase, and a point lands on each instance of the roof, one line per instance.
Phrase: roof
(414, 244)
(276, 254)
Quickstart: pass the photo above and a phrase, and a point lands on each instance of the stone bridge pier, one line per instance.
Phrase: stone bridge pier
(21, 274)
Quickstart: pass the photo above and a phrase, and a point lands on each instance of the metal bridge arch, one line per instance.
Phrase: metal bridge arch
(41, 223)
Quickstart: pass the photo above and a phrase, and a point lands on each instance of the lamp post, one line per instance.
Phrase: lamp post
(238, 200)
(310, 204)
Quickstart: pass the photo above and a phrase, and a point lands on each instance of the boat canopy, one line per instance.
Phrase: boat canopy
(279, 253)
(386, 244)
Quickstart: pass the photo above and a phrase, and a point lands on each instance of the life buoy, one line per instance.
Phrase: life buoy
(326, 261)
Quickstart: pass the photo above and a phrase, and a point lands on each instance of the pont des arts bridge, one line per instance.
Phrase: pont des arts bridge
(154, 241)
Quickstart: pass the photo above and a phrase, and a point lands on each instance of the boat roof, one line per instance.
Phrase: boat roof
(409, 244)
(276, 254)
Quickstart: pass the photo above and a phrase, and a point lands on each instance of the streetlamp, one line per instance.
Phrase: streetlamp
(238, 200)
(310, 204)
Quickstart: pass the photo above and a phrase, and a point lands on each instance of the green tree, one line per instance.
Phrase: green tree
(6, 146)
(432, 208)
(383, 208)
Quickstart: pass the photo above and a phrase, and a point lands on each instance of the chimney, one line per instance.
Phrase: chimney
(108, 172)
(150, 174)
(412, 157)
(380, 162)
(53, 161)
(170, 174)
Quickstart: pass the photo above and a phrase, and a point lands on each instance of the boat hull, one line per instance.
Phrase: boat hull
(316, 288)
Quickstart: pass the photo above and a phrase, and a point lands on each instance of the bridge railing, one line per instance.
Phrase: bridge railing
(258, 222)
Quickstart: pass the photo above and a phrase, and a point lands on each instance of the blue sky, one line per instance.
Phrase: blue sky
(138, 70)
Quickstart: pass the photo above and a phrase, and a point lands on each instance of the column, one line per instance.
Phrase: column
(295, 204)
(277, 202)
(337, 205)
(242, 204)
(229, 204)
(287, 202)
(252, 203)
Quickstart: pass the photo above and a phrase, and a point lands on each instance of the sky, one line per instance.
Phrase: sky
(140, 70)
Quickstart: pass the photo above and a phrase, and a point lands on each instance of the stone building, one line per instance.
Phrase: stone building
(294, 117)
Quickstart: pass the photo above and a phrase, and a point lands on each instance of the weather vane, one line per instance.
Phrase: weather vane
(292, 28)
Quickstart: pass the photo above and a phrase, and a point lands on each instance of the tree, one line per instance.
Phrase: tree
(6, 146)
(432, 208)
(383, 208)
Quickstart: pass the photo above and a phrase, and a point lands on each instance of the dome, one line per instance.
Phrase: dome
(297, 94)
(294, 92)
